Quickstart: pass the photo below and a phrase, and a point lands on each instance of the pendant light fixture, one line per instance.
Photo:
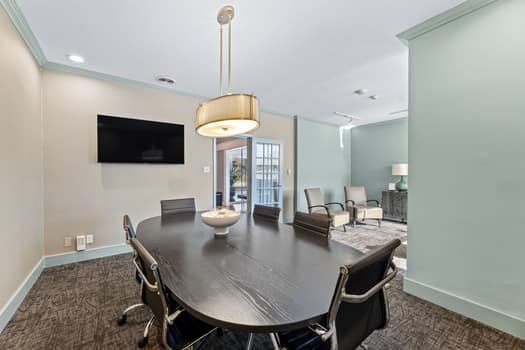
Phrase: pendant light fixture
(229, 114)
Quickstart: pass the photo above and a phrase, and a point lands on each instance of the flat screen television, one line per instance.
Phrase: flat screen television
(124, 140)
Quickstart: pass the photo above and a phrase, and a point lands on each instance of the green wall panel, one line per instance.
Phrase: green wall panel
(375, 147)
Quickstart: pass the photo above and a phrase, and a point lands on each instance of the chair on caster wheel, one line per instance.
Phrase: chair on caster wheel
(130, 233)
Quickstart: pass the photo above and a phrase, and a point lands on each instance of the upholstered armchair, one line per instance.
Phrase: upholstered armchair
(316, 205)
(357, 205)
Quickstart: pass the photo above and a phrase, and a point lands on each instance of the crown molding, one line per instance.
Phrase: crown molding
(448, 16)
(21, 25)
(59, 67)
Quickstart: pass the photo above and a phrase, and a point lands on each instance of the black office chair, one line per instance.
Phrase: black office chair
(359, 306)
(130, 233)
(177, 206)
(312, 222)
(267, 213)
(180, 330)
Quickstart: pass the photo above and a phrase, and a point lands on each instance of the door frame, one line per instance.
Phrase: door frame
(251, 143)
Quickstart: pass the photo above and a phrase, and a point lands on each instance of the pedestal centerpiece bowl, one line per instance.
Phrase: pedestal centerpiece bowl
(221, 220)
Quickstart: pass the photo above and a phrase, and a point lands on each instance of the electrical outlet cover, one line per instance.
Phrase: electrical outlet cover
(81, 243)
(68, 242)
(89, 239)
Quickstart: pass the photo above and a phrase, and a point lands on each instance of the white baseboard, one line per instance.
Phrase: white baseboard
(9, 309)
(482, 313)
(89, 254)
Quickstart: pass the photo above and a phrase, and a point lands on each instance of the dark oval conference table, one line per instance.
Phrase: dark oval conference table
(263, 277)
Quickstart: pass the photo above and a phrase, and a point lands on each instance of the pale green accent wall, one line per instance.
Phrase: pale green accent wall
(467, 160)
(375, 147)
(321, 161)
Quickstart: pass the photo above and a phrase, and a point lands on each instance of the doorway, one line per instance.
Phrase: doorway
(232, 173)
(266, 158)
(248, 171)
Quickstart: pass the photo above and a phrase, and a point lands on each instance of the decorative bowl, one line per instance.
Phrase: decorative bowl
(221, 220)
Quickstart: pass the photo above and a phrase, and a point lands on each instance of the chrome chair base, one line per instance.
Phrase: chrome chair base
(144, 341)
(123, 318)
(249, 343)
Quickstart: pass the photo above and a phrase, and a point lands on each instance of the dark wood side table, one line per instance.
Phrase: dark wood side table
(395, 205)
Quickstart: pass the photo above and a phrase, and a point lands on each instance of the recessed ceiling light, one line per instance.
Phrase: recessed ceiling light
(360, 91)
(76, 58)
(373, 97)
(165, 79)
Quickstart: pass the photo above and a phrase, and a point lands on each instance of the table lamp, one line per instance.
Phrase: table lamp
(400, 170)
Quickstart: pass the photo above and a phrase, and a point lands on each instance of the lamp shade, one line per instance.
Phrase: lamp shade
(400, 169)
(228, 115)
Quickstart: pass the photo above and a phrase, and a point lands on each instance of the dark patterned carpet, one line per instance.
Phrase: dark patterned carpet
(76, 306)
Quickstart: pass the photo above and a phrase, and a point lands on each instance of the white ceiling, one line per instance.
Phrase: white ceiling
(299, 57)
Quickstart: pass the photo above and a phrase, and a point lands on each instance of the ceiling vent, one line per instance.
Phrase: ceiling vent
(360, 92)
(165, 79)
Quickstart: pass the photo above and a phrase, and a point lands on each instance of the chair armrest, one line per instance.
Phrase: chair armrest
(321, 331)
(351, 201)
(361, 298)
(336, 203)
(374, 200)
(151, 287)
(320, 206)
(170, 318)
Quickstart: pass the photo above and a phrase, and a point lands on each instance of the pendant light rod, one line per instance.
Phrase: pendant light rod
(229, 56)
(220, 60)
(224, 17)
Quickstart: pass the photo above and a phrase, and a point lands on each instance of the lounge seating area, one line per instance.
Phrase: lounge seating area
(316, 205)
(261, 175)
(357, 204)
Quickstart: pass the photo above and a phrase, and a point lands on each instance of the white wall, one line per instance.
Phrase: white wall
(467, 164)
(21, 197)
(83, 196)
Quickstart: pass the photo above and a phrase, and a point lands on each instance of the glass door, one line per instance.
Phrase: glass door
(266, 159)
(237, 183)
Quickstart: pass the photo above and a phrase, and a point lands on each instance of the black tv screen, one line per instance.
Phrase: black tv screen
(124, 140)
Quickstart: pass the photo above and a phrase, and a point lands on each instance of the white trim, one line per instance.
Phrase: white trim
(454, 13)
(90, 254)
(23, 28)
(10, 307)
(482, 313)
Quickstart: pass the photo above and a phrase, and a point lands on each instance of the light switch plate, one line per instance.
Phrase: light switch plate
(206, 169)
(81, 243)
(89, 239)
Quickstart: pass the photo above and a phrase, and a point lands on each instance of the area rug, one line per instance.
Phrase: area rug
(366, 237)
